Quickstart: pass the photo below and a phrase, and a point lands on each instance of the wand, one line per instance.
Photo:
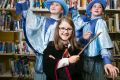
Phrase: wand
(89, 43)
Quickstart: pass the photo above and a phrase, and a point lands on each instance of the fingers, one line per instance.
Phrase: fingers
(111, 70)
(106, 71)
(77, 57)
(89, 32)
(115, 72)
(116, 69)
(87, 35)
(73, 59)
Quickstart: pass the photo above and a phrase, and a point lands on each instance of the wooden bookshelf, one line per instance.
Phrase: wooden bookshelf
(8, 76)
(46, 10)
(14, 36)
(7, 31)
(14, 54)
(115, 36)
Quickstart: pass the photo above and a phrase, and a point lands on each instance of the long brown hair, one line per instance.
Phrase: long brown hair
(57, 40)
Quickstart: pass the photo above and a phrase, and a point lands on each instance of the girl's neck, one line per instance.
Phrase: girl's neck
(53, 16)
(65, 43)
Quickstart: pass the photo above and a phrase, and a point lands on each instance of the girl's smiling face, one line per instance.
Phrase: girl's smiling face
(65, 31)
(56, 8)
(96, 10)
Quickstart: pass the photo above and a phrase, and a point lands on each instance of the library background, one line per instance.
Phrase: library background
(17, 59)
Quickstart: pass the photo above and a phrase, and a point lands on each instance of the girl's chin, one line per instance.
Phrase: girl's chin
(64, 39)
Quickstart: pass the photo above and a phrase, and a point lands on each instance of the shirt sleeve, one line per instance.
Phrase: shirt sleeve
(63, 62)
(32, 29)
(33, 21)
(20, 7)
(105, 41)
(106, 55)
(77, 19)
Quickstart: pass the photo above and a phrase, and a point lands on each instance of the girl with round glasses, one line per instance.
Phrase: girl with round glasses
(60, 59)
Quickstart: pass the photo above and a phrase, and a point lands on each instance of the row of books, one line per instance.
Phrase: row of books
(116, 49)
(81, 3)
(8, 3)
(19, 67)
(14, 48)
(113, 22)
(36, 3)
(111, 4)
(12, 3)
(116, 62)
(8, 23)
(2, 68)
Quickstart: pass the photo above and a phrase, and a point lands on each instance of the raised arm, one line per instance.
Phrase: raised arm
(32, 20)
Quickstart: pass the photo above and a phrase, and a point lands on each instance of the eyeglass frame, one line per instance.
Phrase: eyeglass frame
(64, 29)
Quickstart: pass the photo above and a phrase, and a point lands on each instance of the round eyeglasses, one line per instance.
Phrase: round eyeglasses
(65, 29)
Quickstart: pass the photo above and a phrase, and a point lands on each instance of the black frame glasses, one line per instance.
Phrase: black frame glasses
(65, 29)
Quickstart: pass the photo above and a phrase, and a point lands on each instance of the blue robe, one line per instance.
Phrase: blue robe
(102, 42)
(98, 52)
(37, 36)
(38, 31)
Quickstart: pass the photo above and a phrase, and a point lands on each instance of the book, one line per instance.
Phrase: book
(117, 22)
(2, 68)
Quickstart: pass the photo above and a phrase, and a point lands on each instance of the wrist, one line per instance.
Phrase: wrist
(107, 60)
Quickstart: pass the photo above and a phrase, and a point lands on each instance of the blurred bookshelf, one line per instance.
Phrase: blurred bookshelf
(11, 34)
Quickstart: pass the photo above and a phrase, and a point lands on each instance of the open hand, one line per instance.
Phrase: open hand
(111, 70)
(86, 35)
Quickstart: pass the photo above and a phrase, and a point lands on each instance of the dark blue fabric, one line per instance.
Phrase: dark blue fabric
(80, 36)
(79, 33)
(25, 6)
(18, 8)
(49, 21)
(85, 18)
(106, 60)
(72, 9)
(21, 6)
(92, 26)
